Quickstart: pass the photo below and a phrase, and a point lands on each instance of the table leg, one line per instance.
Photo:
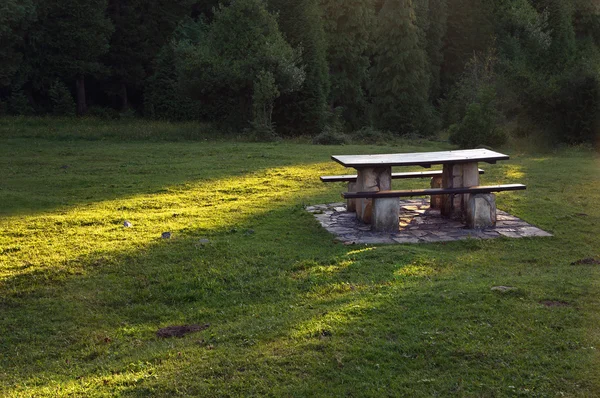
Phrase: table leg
(371, 179)
(458, 175)
(351, 203)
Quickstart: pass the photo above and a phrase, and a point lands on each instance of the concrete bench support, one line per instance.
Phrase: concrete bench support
(371, 179)
(351, 203)
(436, 200)
(481, 210)
(458, 175)
(386, 214)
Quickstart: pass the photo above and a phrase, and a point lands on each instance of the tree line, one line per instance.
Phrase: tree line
(289, 67)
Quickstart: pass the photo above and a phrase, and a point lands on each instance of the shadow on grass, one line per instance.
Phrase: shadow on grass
(291, 314)
(41, 176)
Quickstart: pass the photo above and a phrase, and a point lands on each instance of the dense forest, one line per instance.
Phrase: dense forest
(481, 69)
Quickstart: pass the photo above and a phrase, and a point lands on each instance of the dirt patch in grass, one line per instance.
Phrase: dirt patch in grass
(586, 261)
(554, 303)
(179, 330)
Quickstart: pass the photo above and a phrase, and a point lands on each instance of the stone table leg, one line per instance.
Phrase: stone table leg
(386, 214)
(371, 179)
(436, 200)
(351, 203)
(458, 175)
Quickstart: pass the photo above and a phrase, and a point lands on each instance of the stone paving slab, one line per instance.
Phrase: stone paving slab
(418, 224)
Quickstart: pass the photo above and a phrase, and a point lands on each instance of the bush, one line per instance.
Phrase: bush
(61, 99)
(18, 103)
(480, 123)
(103, 113)
(330, 136)
(578, 107)
(371, 135)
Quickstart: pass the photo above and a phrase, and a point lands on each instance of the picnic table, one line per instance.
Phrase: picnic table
(455, 188)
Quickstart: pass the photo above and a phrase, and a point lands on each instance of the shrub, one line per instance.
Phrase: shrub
(18, 103)
(330, 136)
(480, 123)
(103, 113)
(61, 99)
(371, 135)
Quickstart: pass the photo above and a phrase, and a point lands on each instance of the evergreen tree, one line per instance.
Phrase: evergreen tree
(304, 111)
(400, 75)
(239, 51)
(435, 35)
(164, 98)
(142, 27)
(15, 19)
(469, 30)
(67, 42)
(348, 26)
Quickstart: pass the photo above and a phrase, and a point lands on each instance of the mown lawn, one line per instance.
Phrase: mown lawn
(291, 312)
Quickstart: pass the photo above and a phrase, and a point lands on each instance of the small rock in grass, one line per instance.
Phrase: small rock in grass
(503, 289)
(127, 224)
(166, 235)
(204, 241)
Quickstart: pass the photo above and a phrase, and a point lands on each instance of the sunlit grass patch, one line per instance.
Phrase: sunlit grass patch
(291, 311)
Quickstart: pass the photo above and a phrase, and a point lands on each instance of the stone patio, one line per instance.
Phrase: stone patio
(418, 224)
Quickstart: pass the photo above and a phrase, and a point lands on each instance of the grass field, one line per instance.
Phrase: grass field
(291, 312)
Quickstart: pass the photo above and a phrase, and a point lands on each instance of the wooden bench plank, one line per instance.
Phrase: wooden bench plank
(413, 174)
(433, 191)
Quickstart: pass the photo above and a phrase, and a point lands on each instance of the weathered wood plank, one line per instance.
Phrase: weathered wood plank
(433, 191)
(395, 176)
(425, 159)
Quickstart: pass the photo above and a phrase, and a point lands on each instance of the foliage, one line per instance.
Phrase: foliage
(400, 85)
(225, 59)
(349, 28)
(61, 99)
(480, 125)
(16, 17)
(370, 135)
(304, 111)
(164, 97)
(18, 103)
(142, 28)
(549, 74)
(331, 136)
(265, 92)
(470, 30)
(435, 35)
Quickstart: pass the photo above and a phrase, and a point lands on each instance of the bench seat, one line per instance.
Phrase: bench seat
(433, 191)
(412, 174)
(479, 208)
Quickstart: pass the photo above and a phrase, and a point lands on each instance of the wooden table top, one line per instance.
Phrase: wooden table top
(425, 159)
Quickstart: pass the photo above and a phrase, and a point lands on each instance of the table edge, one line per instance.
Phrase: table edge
(426, 164)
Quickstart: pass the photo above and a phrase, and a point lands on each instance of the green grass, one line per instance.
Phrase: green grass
(291, 312)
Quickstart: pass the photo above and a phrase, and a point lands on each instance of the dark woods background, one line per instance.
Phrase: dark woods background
(482, 69)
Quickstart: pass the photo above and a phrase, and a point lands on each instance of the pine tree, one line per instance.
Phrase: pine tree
(15, 19)
(436, 33)
(304, 111)
(470, 30)
(239, 51)
(142, 27)
(348, 26)
(67, 43)
(400, 76)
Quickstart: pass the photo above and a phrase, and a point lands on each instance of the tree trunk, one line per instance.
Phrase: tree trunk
(81, 104)
(124, 98)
